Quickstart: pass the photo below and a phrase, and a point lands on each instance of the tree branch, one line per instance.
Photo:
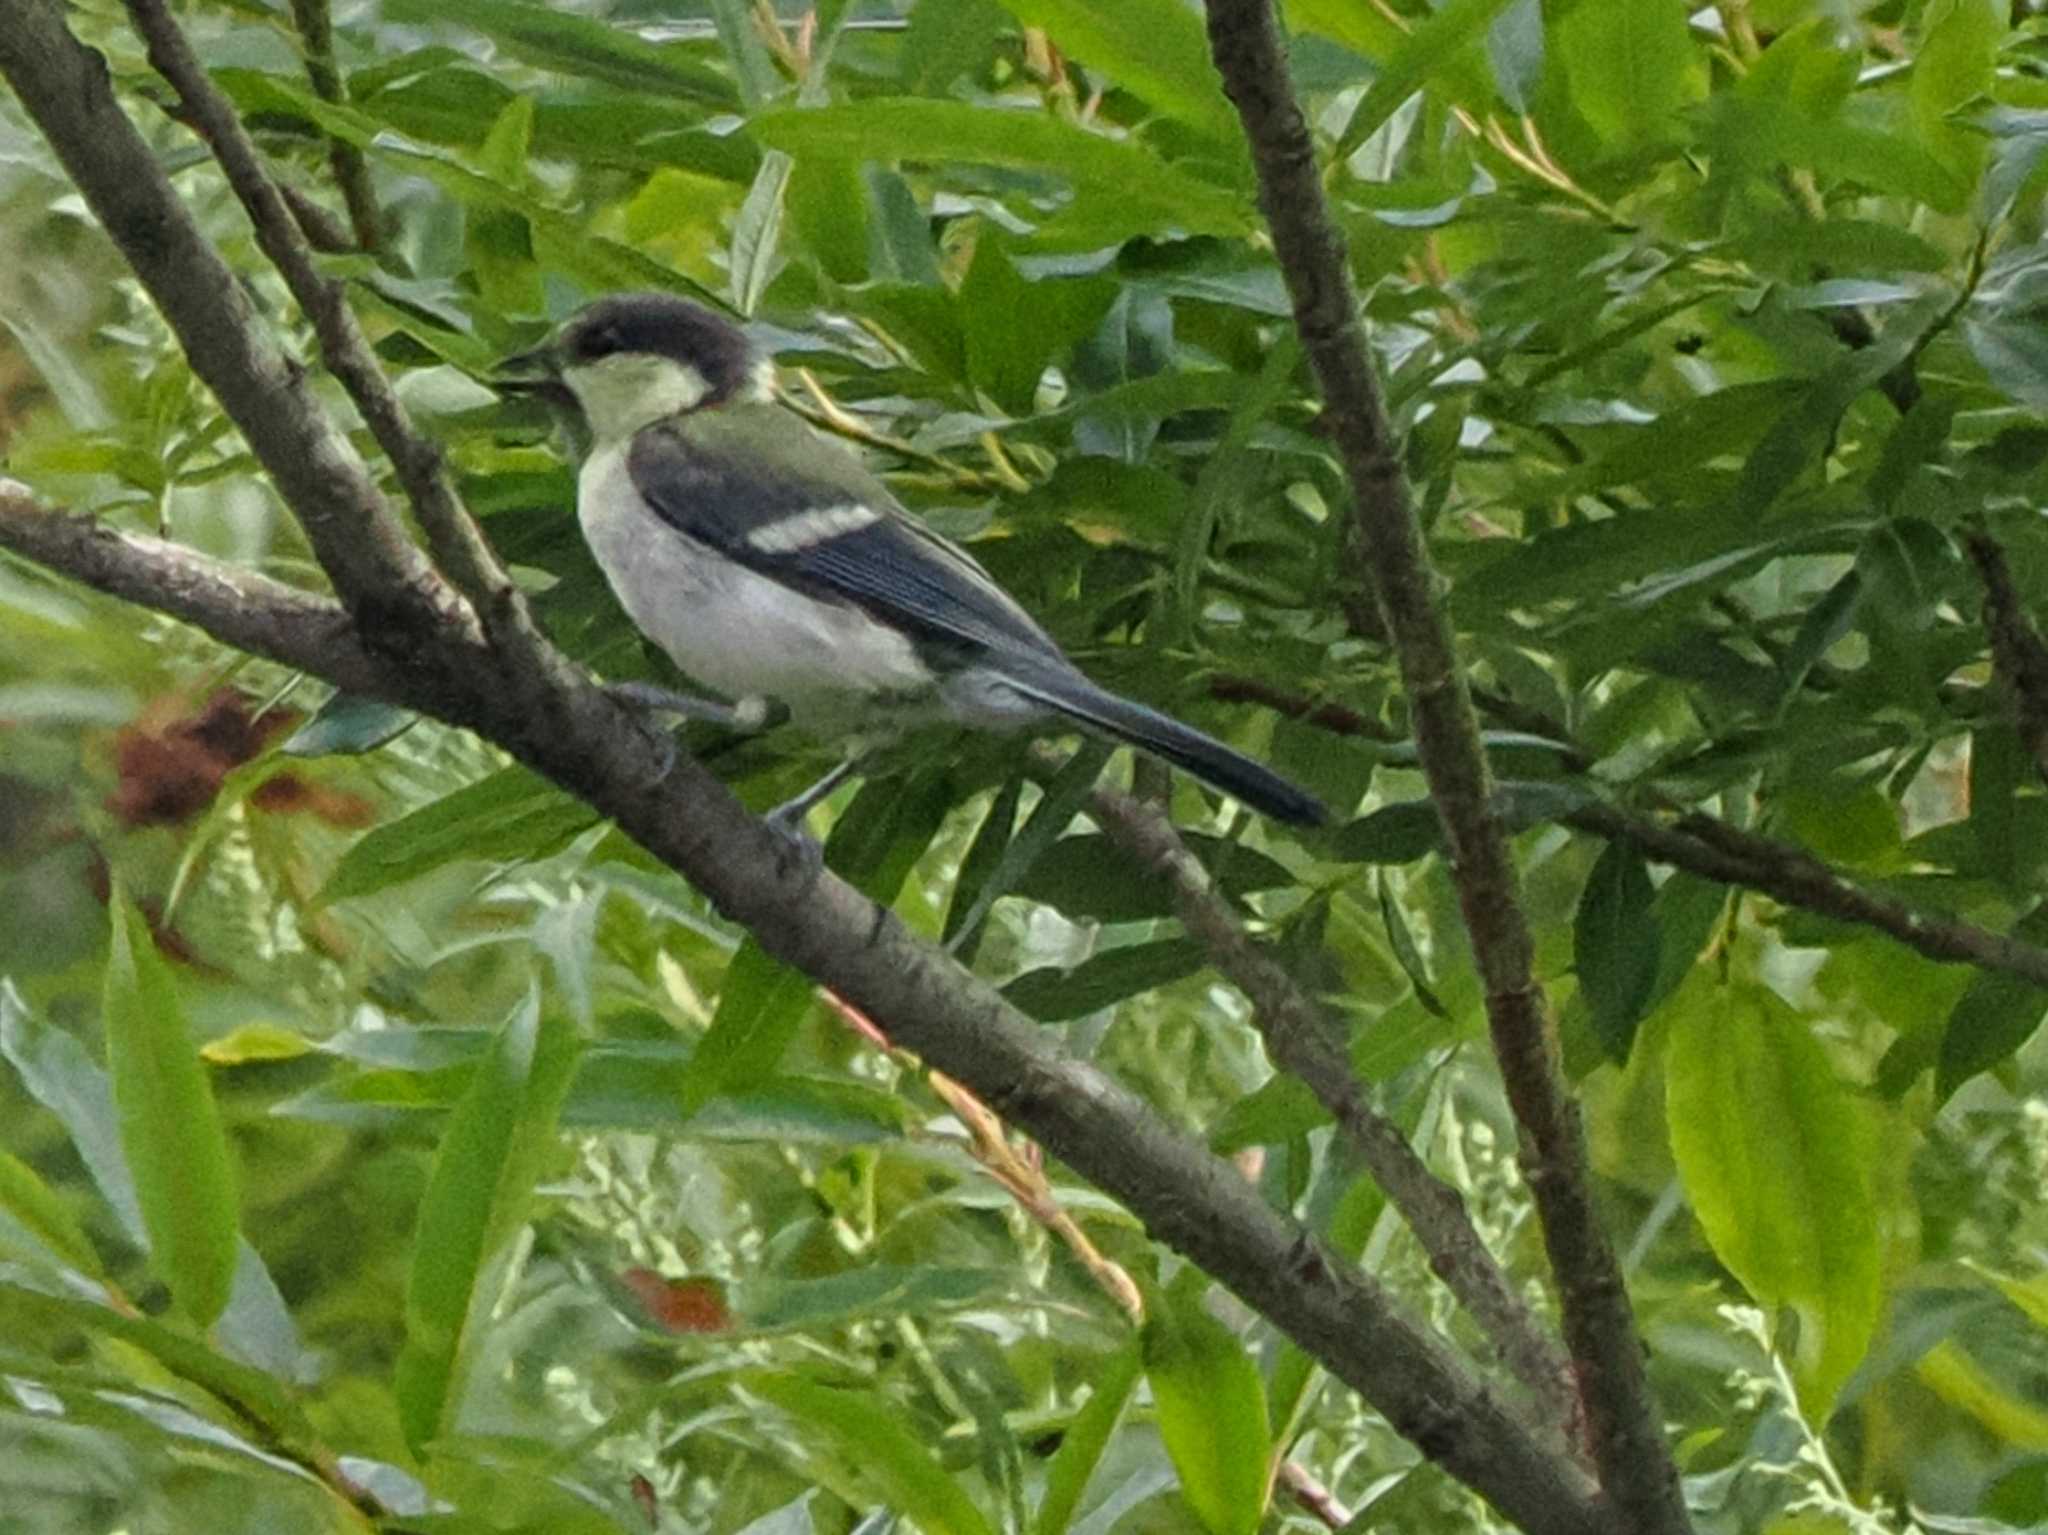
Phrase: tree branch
(1711, 848)
(1300, 1041)
(1636, 1470)
(2018, 654)
(237, 607)
(459, 548)
(315, 23)
(1189, 1199)
(428, 652)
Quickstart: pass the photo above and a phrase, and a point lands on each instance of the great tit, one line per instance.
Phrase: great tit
(772, 567)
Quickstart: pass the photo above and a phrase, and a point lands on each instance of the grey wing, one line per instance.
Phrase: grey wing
(815, 519)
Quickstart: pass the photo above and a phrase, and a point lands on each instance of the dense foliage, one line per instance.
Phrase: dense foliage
(514, 1190)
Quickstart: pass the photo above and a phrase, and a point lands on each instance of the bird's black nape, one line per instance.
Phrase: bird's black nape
(661, 325)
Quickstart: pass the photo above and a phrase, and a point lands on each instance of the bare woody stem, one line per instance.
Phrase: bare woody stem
(1636, 1471)
(1301, 1042)
(426, 648)
(315, 23)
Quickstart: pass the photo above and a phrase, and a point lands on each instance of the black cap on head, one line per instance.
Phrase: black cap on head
(664, 326)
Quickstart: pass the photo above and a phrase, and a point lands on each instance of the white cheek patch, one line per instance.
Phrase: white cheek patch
(627, 390)
(816, 526)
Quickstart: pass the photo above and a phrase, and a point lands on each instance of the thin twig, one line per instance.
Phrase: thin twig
(2018, 655)
(1301, 1041)
(458, 547)
(1636, 1470)
(351, 171)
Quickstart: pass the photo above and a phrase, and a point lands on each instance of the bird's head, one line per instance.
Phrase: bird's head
(635, 358)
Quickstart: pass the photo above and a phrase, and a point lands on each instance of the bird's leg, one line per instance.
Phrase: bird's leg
(749, 714)
(788, 817)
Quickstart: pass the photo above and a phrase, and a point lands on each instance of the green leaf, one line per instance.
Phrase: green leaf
(944, 40)
(1993, 1018)
(1397, 833)
(1953, 67)
(1632, 69)
(34, 1206)
(757, 233)
(171, 1130)
(1615, 946)
(761, 1003)
(902, 1470)
(1087, 1436)
(1052, 995)
(1013, 328)
(1086, 876)
(499, 1137)
(254, 1395)
(1418, 60)
(1131, 185)
(348, 725)
(575, 45)
(1156, 49)
(983, 857)
(1775, 1154)
(513, 816)
(1212, 1411)
(878, 1289)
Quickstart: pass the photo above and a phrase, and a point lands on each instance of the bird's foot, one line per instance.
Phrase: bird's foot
(787, 818)
(748, 714)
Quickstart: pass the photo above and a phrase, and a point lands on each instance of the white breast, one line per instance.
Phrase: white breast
(729, 629)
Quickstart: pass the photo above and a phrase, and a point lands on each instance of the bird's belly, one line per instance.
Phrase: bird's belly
(732, 630)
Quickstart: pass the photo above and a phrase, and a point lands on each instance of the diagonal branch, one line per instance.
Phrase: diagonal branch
(1299, 1039)
(457, 545)
(1188, 1198)
(237, 607)
(428, 651)
(2018, 654)
(359, 542)
(1636, 1470)
(315, 23)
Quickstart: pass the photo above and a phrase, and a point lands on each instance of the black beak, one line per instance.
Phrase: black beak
(535, 373)
(523, 372)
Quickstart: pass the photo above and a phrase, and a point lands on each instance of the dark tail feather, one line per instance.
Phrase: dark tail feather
(1182, 745)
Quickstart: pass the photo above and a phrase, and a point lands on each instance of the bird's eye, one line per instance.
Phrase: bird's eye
(596, 342)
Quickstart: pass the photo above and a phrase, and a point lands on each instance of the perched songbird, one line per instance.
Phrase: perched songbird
(771, 566)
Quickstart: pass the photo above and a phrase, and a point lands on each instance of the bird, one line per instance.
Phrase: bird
(775, 570)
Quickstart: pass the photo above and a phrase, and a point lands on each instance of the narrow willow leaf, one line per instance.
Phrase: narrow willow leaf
(757, 233)
(761, 1003)
(902, 1470)
(1616, 945)
(34, 1206)
(1774, 1152)
(1632, 69)
(1143, 189)
(575, 45)
(477, 1196)
(1053, 995)
(1212, 1412)
(1087, 1436)
(1153, 48)
(512, 816)
(1997, 1015)
(1421, 56)
(171, 1130)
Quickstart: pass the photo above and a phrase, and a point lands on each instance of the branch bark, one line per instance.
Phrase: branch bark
(1195, 1202)
(1713, 849)
(413, 640)
(1300, 1042)
(2018, 654)
(1636, 1470)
